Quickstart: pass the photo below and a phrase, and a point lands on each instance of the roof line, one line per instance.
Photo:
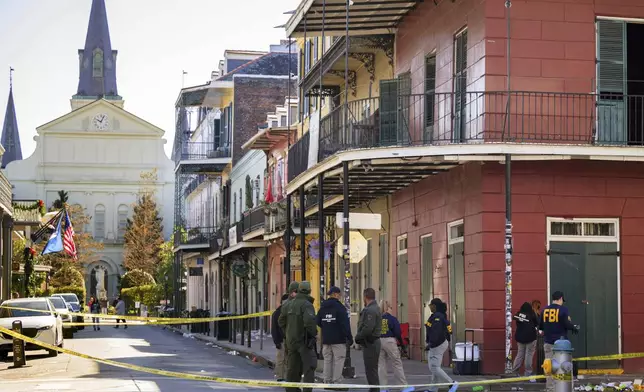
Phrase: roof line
(244, 65)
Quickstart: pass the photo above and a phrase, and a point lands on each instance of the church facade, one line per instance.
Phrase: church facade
(97, 153)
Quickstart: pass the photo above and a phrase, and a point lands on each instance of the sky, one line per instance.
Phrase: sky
(156, 40)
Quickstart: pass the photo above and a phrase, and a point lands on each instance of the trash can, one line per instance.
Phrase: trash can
(223, 326)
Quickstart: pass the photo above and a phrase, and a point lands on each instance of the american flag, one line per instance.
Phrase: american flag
(68, 238)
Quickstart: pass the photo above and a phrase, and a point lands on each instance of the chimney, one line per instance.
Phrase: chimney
(214, 74)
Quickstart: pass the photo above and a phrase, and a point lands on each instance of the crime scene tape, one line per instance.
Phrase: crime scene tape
(610, 357)
(152, 320)
(250, 382)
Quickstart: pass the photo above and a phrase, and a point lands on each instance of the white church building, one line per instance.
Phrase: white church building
(97, 153)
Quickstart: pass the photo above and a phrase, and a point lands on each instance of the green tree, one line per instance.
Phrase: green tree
(63, 197)
(249, 193)
(135, 278)
(143, 236)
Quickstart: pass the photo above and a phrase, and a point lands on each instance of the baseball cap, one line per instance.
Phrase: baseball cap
(558, 295)
(334, 290)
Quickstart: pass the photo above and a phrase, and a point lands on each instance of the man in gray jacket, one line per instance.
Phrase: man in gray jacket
(120, 310)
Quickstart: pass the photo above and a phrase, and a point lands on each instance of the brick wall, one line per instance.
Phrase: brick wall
(254, 97)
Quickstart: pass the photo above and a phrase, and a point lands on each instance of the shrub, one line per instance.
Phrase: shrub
(136, 278)
(148, 295)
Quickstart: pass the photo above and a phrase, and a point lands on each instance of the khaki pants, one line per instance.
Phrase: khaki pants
(389, 353)
(280, 363)
(525, 354)
(334, 355)
(547, 350)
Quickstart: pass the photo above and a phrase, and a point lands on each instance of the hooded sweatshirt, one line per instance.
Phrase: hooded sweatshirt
(333, 319)
(527, 324)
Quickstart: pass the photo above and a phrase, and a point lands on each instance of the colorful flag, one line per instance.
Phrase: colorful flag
(68, 238)
(55, 242)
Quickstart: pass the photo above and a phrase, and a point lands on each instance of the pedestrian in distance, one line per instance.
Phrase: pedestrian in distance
(297, 320)
(103, 303)
(526, 338)
(368, 336)
(554, 324)
(278, 339)
(438, 333)
(120, 310)
(333, 321)
(95, 308)
(390, 336)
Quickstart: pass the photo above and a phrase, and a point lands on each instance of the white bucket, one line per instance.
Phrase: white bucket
(464, 352)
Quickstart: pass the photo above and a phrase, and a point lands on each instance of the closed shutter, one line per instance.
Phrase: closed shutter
(430, 98)
(384, 264)
(611, 83)
(460, 85)
(388, 111)
(404, 96)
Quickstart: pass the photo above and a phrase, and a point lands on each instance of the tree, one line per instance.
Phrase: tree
(143, 236)
(249, 193)
(63, 197)
(135, 278)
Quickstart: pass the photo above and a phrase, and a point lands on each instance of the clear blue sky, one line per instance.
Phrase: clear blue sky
(156, 40)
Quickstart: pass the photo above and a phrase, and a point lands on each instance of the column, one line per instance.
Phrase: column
(7, 226)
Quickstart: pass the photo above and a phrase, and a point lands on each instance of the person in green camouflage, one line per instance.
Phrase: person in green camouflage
(368, 336)
(297, 320)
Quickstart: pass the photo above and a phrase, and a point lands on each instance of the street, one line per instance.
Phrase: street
(140, 345)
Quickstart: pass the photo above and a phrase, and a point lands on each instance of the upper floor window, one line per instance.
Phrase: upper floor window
(430, 96)
(97, 63)
(122, 221)
(99, 222)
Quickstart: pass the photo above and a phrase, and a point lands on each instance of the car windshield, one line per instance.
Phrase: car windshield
(20, 311)
(58, 303)
(69, 297)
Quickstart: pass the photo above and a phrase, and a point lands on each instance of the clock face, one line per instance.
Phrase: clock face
(101, 122)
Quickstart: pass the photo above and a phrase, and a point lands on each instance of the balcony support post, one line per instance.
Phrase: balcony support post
(302, 234)
(287, 231)
(508, 214)
(348, 369)
(321, 243)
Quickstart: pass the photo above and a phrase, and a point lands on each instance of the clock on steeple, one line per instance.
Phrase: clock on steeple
(101, 122)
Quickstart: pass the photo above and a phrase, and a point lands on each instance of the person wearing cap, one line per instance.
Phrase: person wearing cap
(333, 321)
(554, 324)
(390, 335)
(278, 339)
(437, 336)
(297, 320)
(368, 336)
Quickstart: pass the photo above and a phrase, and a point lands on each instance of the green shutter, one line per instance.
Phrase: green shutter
(430, 98)
(404, 96)
(611, 82)
(388, 111)
(460, 86)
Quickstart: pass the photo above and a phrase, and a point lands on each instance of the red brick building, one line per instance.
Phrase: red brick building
(572, 122)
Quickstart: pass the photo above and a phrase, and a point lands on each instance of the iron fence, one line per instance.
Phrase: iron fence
(253, 219)
(197, 235)
(204, 150)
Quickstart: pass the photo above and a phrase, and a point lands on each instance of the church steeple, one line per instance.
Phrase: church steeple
(10, 137)
(97, 60)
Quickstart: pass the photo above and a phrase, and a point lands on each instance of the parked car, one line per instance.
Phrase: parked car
(63, 309)
(73, 301)
(42, 323)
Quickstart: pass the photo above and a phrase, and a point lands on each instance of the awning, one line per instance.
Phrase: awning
(266, 139)
(365, 17)
(238, 246)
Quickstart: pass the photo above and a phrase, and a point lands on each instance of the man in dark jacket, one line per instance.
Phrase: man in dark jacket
(437, 332)
(526, 337)
(368, 336)
(278, 339)
(297, 320)
(333, 319)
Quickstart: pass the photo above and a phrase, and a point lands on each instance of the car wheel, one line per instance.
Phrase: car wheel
(53, 353)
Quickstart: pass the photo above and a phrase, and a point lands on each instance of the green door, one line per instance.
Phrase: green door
(403, 288)
(457, 291)
(427, 288)
(388, 112)
(587, 274)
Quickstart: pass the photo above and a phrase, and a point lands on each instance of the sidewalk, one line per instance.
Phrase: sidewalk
(416, 371)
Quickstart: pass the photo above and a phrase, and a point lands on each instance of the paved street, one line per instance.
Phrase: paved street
(144, 346)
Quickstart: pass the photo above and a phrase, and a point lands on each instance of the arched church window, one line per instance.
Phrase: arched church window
(99, 222)
(122, 221)
(97, 63)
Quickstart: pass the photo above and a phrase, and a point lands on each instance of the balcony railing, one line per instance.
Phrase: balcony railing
(198, 235)
(275, 220)
(476, 117)
(204, 150)
(253, 220)
(25, 215)
(6, 193)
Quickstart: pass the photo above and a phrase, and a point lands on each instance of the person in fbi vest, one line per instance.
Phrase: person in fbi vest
(554, 324)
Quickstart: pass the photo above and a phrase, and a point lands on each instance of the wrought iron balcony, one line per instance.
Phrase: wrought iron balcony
(24, 213)
(253, 220)
(197, 236)
(275, 220)
(204, 150)
(476, 117)
(6, 193)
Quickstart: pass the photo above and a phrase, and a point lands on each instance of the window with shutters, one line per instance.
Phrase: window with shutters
(388, 111)
(460, 85)
(383, 269)
(404, 98)
(123, 210)
(430, 97)
(99, 222)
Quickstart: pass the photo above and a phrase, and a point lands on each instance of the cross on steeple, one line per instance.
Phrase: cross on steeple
(10, 138)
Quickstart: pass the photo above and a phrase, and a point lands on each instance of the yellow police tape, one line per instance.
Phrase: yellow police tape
(150, 320)
(257, 383)
(610, 357)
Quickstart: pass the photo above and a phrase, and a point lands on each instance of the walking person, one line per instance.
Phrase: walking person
(278, 339)
(438, 332)
(103, 303)
(368, 336)
(555, 324)
(526, 337)
(333, 320)
(297, 320)
(390, 335)
(120, 310)
(95, 308)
